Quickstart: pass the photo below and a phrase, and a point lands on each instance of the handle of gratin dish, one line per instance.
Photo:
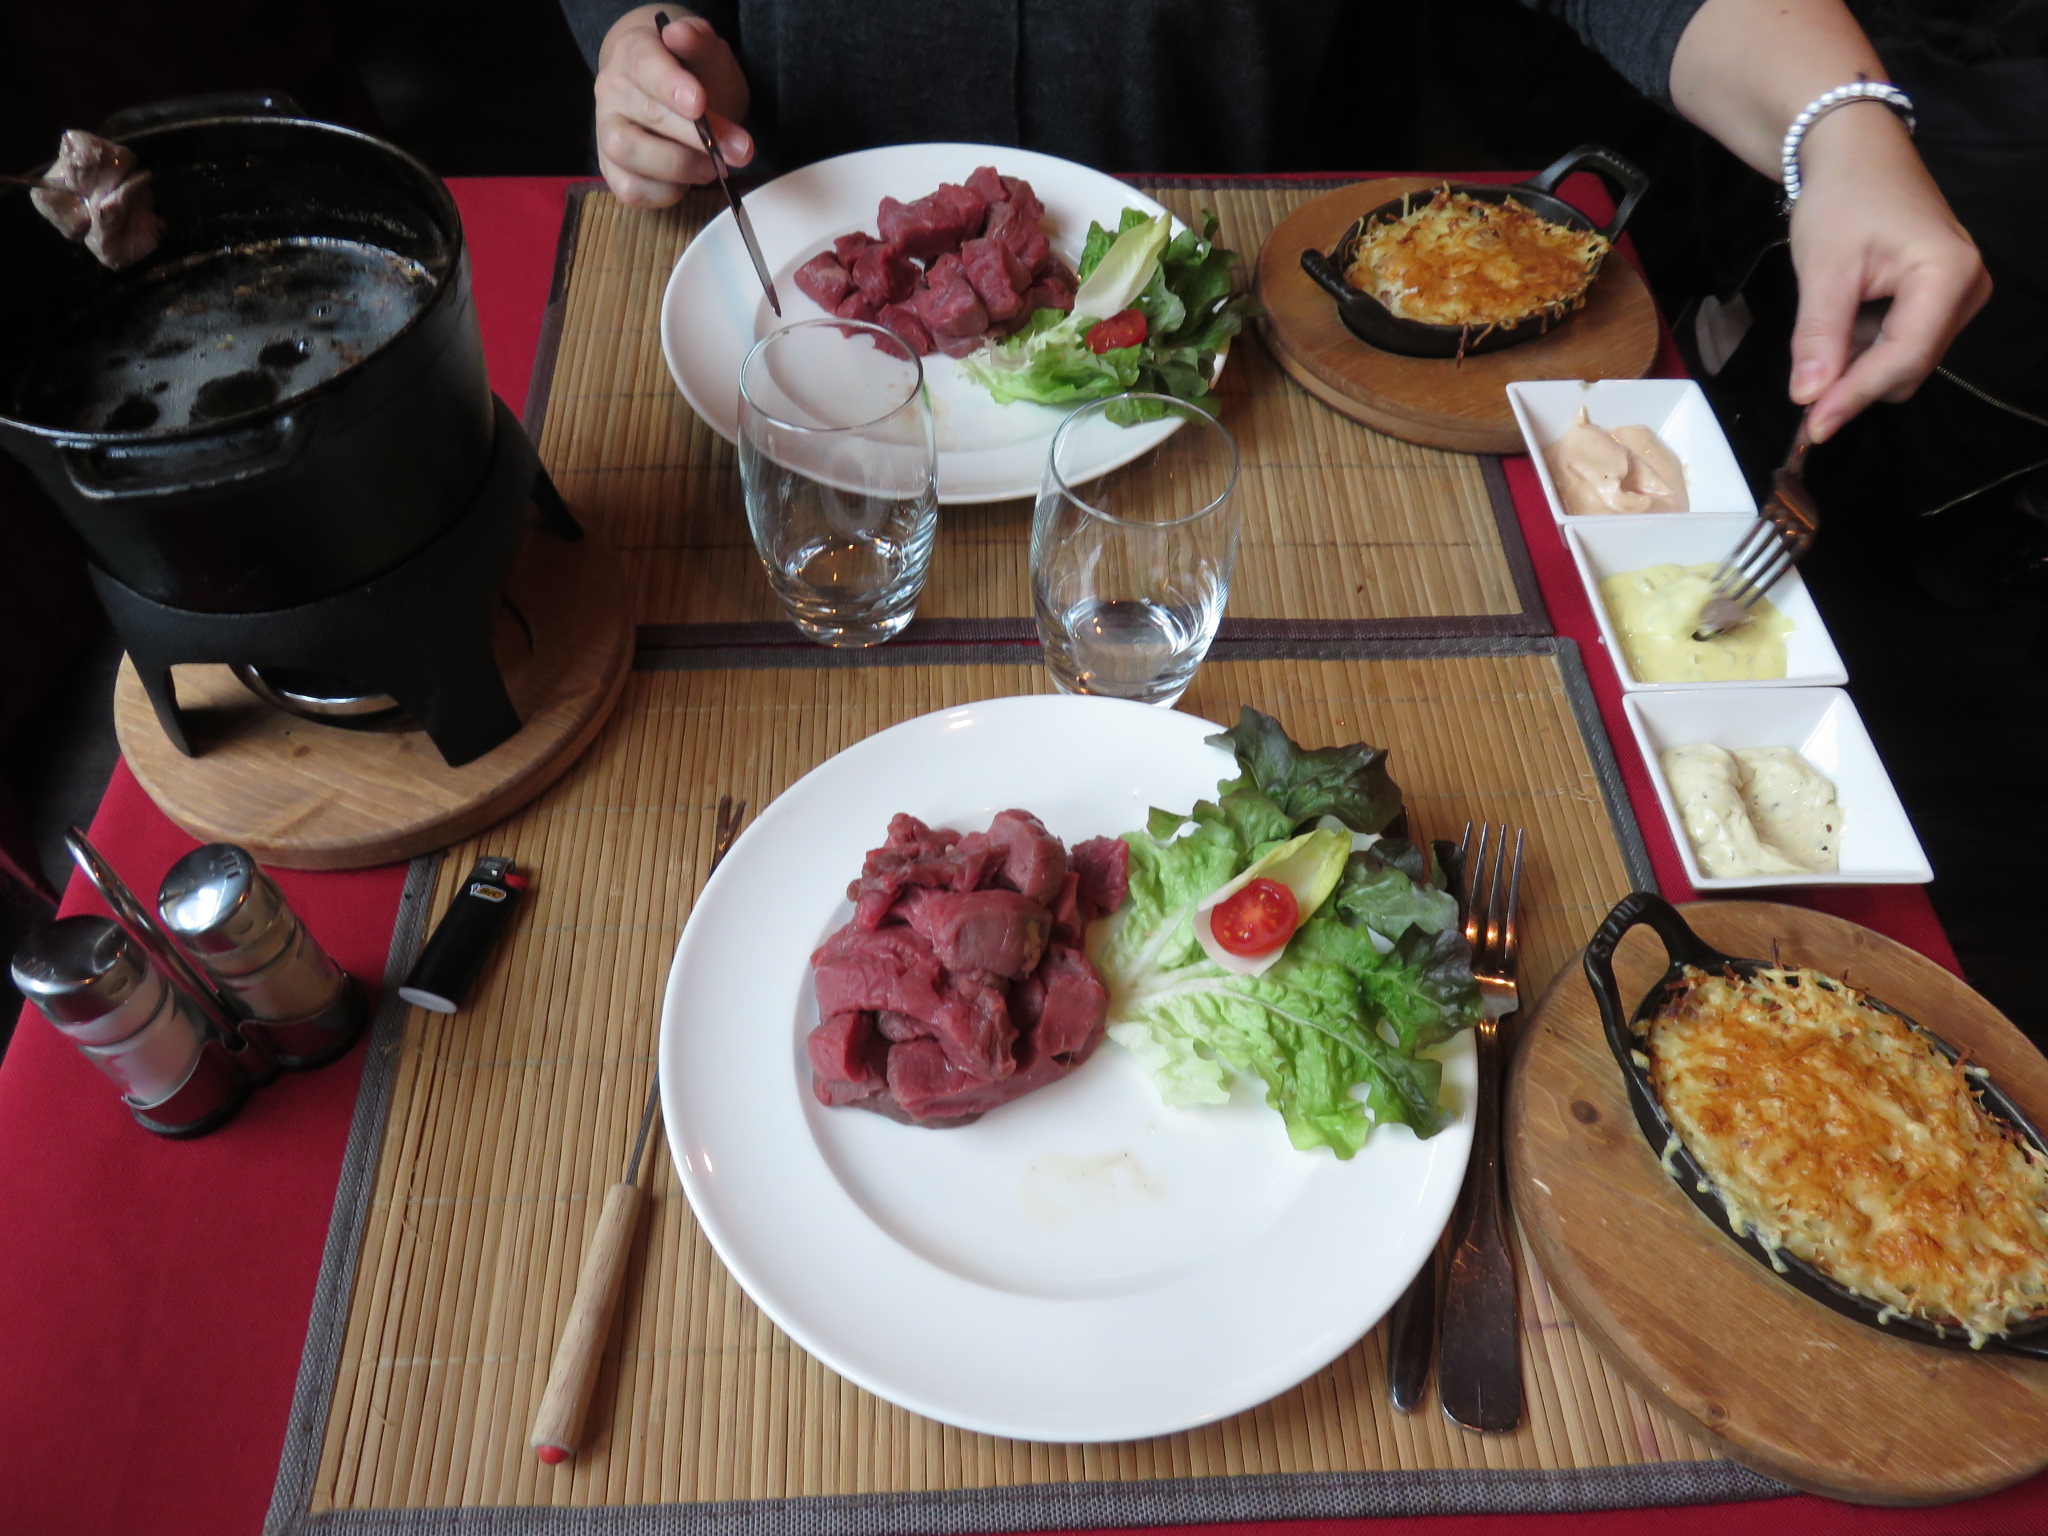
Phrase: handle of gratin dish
(1683, 945)
(1619, 173)
(1326, 275)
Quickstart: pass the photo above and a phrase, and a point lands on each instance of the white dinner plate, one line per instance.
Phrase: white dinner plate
(1082, 1264)
(714, 310)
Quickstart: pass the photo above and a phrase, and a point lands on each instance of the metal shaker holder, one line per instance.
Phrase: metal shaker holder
(184, 1041)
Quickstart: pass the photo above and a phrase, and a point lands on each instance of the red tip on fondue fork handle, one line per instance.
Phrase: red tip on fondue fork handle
(572, 1377)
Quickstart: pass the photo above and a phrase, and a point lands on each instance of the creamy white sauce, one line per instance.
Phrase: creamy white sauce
(1630, 469)
(1754, 811)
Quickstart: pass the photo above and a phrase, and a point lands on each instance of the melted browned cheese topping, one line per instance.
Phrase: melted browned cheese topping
(1459, 261)
(1831, 1129)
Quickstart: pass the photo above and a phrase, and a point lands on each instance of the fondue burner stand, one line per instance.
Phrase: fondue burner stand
(422, 632)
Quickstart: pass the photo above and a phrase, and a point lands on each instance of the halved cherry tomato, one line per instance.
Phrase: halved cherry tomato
(1125, 328)
(1256, 920)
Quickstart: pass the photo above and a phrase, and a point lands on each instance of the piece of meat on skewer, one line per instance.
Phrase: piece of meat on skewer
(96, 194)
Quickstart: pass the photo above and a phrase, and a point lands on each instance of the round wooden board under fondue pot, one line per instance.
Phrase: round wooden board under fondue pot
(1790, 1388)
(303, 795)
(1436, 401)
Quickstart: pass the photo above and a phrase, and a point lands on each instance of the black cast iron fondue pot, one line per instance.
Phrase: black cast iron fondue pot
(286, 399)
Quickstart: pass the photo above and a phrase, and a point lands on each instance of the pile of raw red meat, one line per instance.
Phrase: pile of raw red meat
(961, 984)
(950, 270)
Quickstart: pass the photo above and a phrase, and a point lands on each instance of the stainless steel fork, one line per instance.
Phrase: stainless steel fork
(1479, 1361)
(1772, 545)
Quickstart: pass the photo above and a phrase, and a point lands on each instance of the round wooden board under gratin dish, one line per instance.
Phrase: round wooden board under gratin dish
(1439, 402)
(303, 795)
(1790, 1388)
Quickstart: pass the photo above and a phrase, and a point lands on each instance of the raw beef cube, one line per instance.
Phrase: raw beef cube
(988, 185)
(916, 854)
(1018, 191)
(1069, 924)
(848, 247)
(893, 968)
(1008, 226)
(972, 1026)
(885, 275)
(902, 319)
(933, 225)
(950, 308)
(855, 306)
(824, 279)
(999, 278)
(1054, 289)
(847, 1062)
(930, 1088)
(1060, 1012)
(995, 189)
(1104, 865)
(999, 932)
(1076, 1006)
(901, 1026)
(1034, 861)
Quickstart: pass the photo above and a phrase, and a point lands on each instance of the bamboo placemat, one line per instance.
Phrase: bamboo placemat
(483, 1143)
(1346, 532)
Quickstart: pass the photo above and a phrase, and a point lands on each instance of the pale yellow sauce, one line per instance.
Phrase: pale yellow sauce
(1627, 470)
(1654, 612)
(1754, 811)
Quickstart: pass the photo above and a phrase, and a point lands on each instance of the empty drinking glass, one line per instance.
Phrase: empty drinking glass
(1129, 570)
(839, 467)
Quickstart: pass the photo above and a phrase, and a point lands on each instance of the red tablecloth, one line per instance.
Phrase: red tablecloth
(154, 1296)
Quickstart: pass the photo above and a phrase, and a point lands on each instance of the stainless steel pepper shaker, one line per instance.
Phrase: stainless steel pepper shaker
(96, 985)
(231, 918)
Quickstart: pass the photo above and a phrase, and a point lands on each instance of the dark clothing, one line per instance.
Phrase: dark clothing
(1124, 85)
(66, 64)
(1948, 477)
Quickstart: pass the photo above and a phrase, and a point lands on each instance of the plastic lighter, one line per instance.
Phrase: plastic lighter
(463, 940)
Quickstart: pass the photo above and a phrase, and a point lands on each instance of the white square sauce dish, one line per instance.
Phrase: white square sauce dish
(1674, 409)
(1874, 842)
(1607, 547)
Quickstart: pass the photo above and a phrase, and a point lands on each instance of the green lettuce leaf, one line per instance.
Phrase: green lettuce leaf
(1190, 312)
(1334, 1030)
(1386, 888)
(1350, 783)
(1049, 362)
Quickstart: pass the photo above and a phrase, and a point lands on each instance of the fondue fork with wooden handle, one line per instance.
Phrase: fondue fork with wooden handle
(558, 1426)
(732, 198)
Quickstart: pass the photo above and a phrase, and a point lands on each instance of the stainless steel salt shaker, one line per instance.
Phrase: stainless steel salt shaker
(97, 985)
(231, 918)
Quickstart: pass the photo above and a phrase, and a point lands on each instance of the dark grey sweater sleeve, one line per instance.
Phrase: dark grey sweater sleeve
(1638, 37)
(591, 19)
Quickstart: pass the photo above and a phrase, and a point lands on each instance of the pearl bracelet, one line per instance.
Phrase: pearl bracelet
(1821, 106)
